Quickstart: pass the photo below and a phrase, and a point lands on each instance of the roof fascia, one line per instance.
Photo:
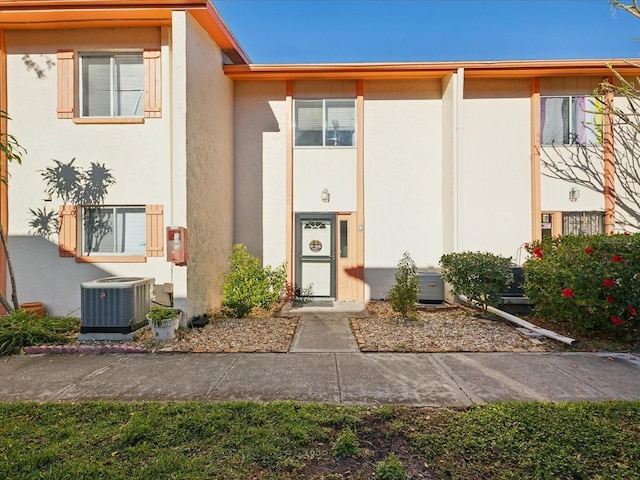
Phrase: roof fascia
(62, 14)
(391, 71)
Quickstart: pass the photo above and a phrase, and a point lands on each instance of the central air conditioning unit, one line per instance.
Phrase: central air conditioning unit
(114, 306)
(431, 288)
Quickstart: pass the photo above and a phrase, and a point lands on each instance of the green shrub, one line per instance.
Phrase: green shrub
(346, 445)
(404, 293)
(481, 277)
(21, 329)
(589, 282)
(390, 469)
(247, 284)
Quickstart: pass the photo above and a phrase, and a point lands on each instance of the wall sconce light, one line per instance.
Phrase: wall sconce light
(47, 198)
(574, 195)
(325, 196)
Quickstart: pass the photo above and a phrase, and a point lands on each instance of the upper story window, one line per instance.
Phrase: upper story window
(109, 87)
(112, 85)
(325, 123)
(571, 120)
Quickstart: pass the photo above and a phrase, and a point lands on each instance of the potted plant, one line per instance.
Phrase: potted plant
(164, 322)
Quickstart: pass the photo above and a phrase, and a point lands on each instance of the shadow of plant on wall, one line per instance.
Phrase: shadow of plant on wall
(76, 185)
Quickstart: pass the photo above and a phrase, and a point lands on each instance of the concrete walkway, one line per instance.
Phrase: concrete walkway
(323, 365)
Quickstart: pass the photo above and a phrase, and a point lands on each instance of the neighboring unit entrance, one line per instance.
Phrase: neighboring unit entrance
(315, 254)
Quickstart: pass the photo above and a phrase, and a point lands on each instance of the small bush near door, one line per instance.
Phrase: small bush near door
(247, 284)
(404, 293)
(481, 277)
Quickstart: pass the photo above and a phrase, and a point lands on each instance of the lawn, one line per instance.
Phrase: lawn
(286, 440)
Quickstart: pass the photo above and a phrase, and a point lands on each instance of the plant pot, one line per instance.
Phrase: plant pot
(37, 308)
(166, 329)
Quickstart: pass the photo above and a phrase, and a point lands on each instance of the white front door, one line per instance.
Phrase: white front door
(315, 254)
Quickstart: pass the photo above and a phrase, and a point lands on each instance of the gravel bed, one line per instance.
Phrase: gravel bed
(450, 329)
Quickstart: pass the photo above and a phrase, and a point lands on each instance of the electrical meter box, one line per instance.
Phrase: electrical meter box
(177, 245)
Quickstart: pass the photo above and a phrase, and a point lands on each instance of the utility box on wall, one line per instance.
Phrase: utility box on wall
(177, 245)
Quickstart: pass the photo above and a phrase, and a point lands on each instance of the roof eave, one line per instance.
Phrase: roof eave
(434, 70)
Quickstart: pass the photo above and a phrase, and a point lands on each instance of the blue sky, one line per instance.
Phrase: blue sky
(318, 31)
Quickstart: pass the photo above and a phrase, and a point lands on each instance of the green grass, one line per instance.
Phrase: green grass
(285, 440)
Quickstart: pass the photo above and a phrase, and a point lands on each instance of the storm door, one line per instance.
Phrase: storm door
(315, 254)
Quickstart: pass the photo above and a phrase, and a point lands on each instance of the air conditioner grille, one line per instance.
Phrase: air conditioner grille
(115, 304)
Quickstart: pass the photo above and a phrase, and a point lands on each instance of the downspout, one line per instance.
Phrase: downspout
(458, 153)
(525, 324)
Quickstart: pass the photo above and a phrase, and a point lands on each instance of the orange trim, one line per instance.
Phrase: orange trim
(289, 179)
(211, 21)
(609, 166)
(67, 14)
(536, 195)
(107, 120)
(360, 191)
(113, 259)
(69, 19)
(387, 71)
(4, 194)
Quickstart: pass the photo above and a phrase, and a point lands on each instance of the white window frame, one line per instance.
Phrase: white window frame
(86, 252)
(112, 56)
(324, 122)
(572, 134)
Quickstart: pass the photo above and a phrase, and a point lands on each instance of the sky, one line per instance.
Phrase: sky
(338, 31)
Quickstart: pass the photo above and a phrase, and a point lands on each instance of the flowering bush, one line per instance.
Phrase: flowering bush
(592, 282)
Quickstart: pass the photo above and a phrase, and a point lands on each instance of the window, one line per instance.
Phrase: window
(571, 120)
(325, 123)
(572, 223)
(112, 85)
(582, 223)
(111, 233)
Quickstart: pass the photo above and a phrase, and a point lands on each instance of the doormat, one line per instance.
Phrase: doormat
(320, 303)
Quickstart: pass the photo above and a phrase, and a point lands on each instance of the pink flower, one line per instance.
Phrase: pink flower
(567, 293)
(608, 282)
(526, 246)
(632, 310)
(588, 250)
(617, 259)
(537, 252)
(616, 320)
(610, 298)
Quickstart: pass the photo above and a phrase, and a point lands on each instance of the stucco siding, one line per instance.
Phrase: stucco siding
(494, 172)
(260, 169)
(403, 178)
(209, 167)
(137, 155)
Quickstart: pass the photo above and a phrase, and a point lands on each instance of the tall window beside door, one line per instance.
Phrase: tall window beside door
(571, 120)
(325, 123)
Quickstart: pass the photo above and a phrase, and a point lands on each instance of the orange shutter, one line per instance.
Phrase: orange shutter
(155, 231)
(68, 231)
(66, 84)
(152, 84)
